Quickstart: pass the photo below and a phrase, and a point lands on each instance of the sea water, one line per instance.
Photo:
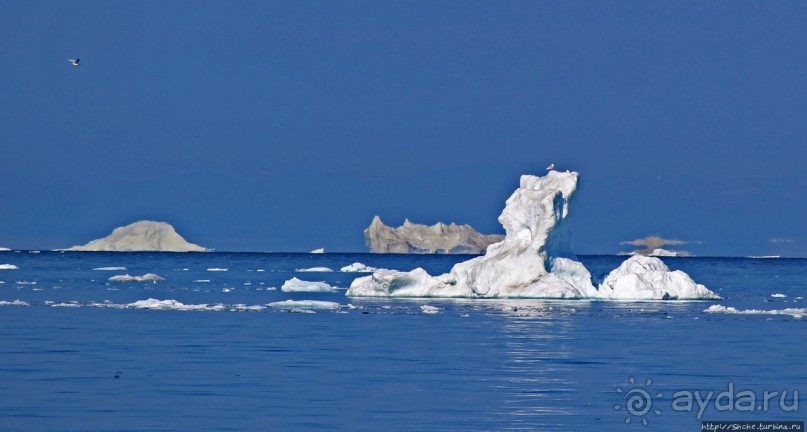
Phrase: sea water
(203, 350)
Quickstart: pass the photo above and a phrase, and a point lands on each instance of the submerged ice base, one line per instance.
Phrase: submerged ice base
(537, 236)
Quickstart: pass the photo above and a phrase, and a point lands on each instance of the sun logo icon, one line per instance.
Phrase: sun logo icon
(638, 401)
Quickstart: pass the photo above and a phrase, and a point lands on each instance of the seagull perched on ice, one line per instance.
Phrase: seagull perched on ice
(550, 167)
(74, 62)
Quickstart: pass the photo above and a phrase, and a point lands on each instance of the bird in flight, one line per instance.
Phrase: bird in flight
(74, 62)
(550, 167)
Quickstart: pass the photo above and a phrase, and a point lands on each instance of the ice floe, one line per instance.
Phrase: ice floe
(314, 270)
(429, 310)
(217, 269)
(148, 277)
(304, 304)
(297, 285)
(13, 303)
(720, 309)
(174, 305)
(110, 268)
(537, 237)
(778, 295)
(8, 267)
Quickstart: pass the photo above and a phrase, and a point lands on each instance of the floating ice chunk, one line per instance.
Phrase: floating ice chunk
(318, 251)
(304, 304)
(26, 283)
(8, 267)
(357, 267)
(778, 295)
(240, 307)
(2, 249)
(148, 277)
(202, 281)
(63, 304)
(110, 268)
(429, 310)
(647, 278)
(297, 285)
(216, 269)
(13, 303)
(314, 270)
(416, 283)
(173, 305)
(107, 304)
(720, 309)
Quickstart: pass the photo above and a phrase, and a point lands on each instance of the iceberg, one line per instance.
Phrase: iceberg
(318, 251)
(148, 277)
(357, 267)
(2, 249)
(8, 267)
(110, 268)
(141, 236)
(297, 285)
(535, 260)
(648, 278)
(416, 238)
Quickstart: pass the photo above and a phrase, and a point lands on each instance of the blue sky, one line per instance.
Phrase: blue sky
(285, 126)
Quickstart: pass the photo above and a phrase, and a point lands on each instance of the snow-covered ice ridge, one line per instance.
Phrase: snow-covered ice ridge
(537, 237)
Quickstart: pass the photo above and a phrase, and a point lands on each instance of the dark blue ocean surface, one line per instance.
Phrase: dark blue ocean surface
(75, 355)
